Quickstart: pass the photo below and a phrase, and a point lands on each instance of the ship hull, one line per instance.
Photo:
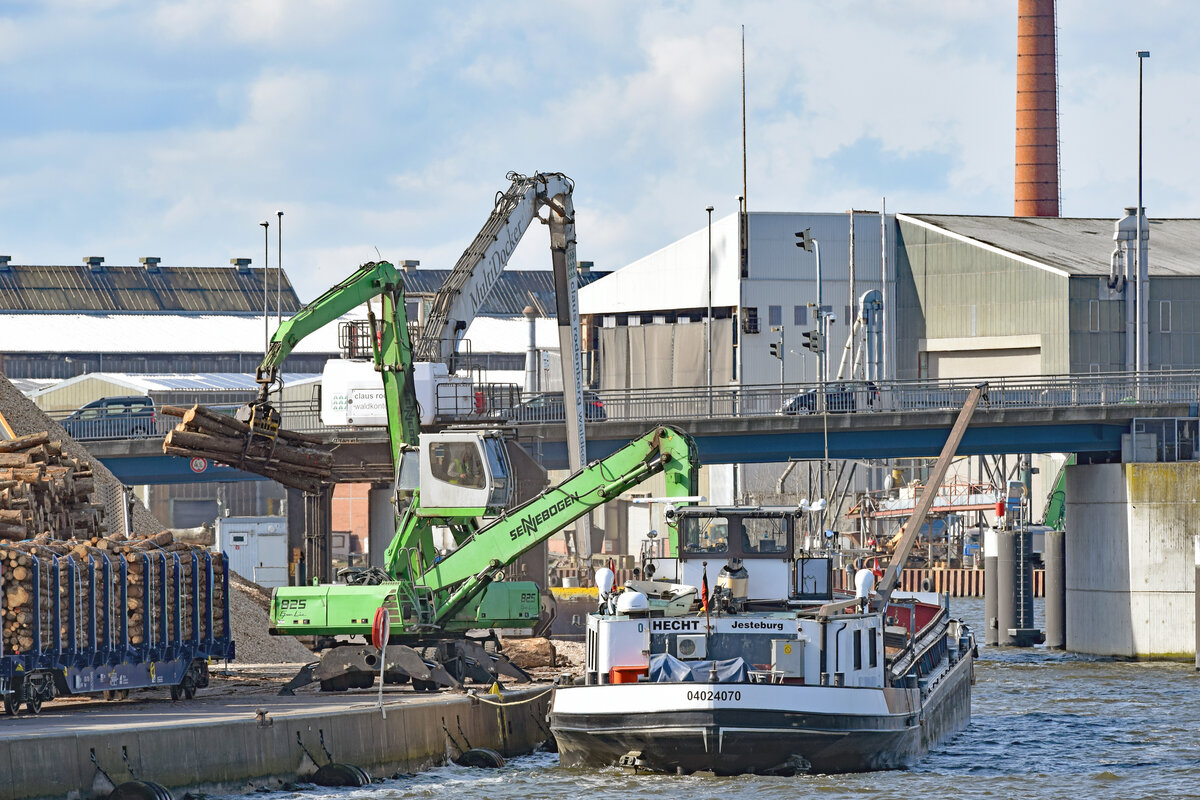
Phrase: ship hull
(732, 729)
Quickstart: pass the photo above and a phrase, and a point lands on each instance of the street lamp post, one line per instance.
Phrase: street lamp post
(1143, 274)
(266, 226)
(279, 270)
(708, 321)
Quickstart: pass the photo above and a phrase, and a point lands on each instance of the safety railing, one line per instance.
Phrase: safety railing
(505, 404)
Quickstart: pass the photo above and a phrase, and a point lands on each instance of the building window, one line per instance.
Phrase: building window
(750, 319)
(801, 314)
(1094, 316)
(774, 315)
(1164, 316)
(858, 648)
(1094, 368)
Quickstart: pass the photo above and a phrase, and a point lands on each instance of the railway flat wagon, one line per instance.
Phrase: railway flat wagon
(84, 621)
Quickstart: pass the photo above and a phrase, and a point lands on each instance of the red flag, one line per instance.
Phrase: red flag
(704, 591)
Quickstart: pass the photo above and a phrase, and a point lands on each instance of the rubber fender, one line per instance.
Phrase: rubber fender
(481, 757)
(926, 585)
(140, 790)
(550, 745)
(335, 774)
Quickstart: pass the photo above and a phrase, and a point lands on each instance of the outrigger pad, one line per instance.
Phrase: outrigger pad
(405, 660)
(304, 677)
(471, 660)
(357, 667)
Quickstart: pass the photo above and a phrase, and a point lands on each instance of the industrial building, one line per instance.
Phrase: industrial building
(989, 296)
(647, 321)
(60, 321)
(966, 297)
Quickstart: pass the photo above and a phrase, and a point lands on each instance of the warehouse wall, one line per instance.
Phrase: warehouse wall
(948, 289)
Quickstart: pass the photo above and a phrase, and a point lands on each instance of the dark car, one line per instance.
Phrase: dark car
(113, 418)
(840, 398)
(548, 407)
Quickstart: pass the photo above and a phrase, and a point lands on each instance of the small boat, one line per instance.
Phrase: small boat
(771, 673)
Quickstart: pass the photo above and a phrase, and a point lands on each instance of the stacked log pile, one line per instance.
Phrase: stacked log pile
(142, 606)
(293, 459)
(43, 489)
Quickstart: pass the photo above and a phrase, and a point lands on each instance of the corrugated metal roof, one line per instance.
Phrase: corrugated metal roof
(146, 333)
(1077, 246)
(140, 290)
(175, 382)
(515, 290)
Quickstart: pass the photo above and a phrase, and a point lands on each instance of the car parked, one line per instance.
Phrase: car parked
(113, 418)
(840, 398)
(548, 407)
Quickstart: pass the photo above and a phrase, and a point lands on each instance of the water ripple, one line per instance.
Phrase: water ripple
(1045, 725)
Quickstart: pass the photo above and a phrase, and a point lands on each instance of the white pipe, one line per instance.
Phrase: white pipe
(886, 366)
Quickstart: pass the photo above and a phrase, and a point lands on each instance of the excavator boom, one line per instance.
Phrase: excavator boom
(505, 539)
(891, 577)
(389, 342)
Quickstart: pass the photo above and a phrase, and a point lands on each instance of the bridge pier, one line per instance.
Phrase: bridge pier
(318, 524)
(1130, 559)
(1056, 590)
(381, 522)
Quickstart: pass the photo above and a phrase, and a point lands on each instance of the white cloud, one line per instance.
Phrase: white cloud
(392, 125)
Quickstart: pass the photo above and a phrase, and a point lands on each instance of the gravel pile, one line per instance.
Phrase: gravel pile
(247, 618)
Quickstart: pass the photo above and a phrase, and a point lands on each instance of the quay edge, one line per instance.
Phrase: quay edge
(223, 748)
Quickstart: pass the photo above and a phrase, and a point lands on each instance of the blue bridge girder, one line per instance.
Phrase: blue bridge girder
(862, 436)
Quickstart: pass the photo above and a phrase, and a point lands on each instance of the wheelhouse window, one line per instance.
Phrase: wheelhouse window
(764, 535)
(458, 463)
(705, 534)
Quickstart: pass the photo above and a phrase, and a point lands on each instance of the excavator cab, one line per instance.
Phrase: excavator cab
(462, 474)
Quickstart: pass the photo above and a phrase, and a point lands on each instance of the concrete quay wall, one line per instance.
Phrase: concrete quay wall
(1130, 563)
(218, 752)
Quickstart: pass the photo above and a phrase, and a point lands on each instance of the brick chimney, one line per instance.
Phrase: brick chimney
(1036, 188)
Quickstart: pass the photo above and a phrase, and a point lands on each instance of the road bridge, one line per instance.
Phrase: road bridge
(762, 424)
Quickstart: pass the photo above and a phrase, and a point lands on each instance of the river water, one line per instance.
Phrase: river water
(1044, 725)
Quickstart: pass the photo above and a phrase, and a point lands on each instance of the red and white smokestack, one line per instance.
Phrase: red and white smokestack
(1036, 187)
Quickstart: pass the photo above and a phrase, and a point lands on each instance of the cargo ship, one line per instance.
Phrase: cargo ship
(772, 672)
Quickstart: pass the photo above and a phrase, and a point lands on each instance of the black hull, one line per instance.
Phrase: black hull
(729, 741)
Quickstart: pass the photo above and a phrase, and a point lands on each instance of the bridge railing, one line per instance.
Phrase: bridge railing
(1065, 391)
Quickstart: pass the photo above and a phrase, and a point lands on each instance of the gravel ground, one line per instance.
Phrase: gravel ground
(247, 616)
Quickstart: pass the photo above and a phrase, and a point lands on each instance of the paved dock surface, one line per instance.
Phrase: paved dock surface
(220, 742)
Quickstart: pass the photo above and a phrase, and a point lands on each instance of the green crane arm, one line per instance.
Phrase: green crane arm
(1056, 503)
(502, 541)
(389, 341)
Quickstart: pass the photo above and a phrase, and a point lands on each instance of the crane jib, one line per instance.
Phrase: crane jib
(531, 523)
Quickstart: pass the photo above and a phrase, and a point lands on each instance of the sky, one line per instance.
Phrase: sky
(384, 128)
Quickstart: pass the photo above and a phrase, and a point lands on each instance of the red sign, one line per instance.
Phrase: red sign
(381, 628)
(198, 465)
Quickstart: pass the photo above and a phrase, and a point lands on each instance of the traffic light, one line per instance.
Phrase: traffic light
(805, 240)
(813, 341)
(777, 349)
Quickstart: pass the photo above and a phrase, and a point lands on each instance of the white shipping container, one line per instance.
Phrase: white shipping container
(352, 393)
(256, 546)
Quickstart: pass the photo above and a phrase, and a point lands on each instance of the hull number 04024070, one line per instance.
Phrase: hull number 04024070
(709, 695)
